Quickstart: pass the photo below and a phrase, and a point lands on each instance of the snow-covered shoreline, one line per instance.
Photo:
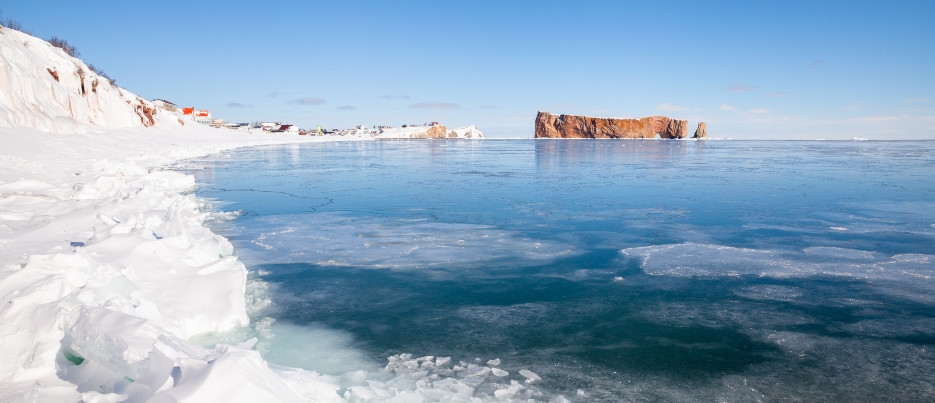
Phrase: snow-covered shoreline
(105, 262)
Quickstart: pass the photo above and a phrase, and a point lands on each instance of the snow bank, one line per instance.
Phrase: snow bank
(106, 272)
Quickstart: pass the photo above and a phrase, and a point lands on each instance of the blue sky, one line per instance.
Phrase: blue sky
(751, 70)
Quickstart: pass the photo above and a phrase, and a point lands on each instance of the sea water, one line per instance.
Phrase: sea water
(637, 270)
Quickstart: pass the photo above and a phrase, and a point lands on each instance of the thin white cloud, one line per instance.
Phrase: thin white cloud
(393, 97)
(435, 105)
(918, 100)
(237, 105)
(308, 101)
(347, 108)
(871, 119)
(758, 111)
(776, 94)
(726, 107)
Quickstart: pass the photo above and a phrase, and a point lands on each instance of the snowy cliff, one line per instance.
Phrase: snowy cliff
(44, 88)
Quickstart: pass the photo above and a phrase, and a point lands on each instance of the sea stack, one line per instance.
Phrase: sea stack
(702, 131)
(583, 127)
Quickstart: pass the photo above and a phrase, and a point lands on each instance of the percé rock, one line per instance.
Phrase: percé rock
(702, 131)
(574, 127)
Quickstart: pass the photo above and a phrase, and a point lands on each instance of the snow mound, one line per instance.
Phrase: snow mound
(41, 87)
(469, 132)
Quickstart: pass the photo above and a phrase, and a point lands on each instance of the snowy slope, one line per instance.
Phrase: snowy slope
(44, 88)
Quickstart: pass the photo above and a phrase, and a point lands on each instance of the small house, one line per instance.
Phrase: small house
(163, 104)
(203, 116)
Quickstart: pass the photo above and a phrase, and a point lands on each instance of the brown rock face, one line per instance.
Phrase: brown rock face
(702, 131)
(432, 132)
(575, 127)
(144, 112)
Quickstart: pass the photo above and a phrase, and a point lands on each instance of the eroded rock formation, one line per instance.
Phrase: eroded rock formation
(702, 131)
(431, 132)
(570, 126)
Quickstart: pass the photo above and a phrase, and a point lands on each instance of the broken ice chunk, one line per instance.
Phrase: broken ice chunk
(530, 376)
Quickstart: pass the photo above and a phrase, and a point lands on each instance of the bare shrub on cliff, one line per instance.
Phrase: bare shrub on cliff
(101, 73)
(64, 45)
(12, 24)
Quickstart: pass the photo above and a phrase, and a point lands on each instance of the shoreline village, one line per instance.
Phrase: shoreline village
(432, 130)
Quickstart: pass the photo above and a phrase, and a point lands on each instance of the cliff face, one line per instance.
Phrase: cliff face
(570, 126)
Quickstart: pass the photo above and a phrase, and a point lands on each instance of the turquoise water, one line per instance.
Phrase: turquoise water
(640, 270)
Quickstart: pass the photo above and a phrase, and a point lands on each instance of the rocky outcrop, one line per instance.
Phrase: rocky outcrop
(435, 132)
(573, 127)
(429, 132)
(702, 131)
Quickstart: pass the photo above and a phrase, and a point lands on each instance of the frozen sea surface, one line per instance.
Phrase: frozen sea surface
(613, 270)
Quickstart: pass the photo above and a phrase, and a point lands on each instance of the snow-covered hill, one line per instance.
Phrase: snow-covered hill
(43, 88)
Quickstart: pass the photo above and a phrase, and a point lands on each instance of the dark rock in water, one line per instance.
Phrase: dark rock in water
(570, 126)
